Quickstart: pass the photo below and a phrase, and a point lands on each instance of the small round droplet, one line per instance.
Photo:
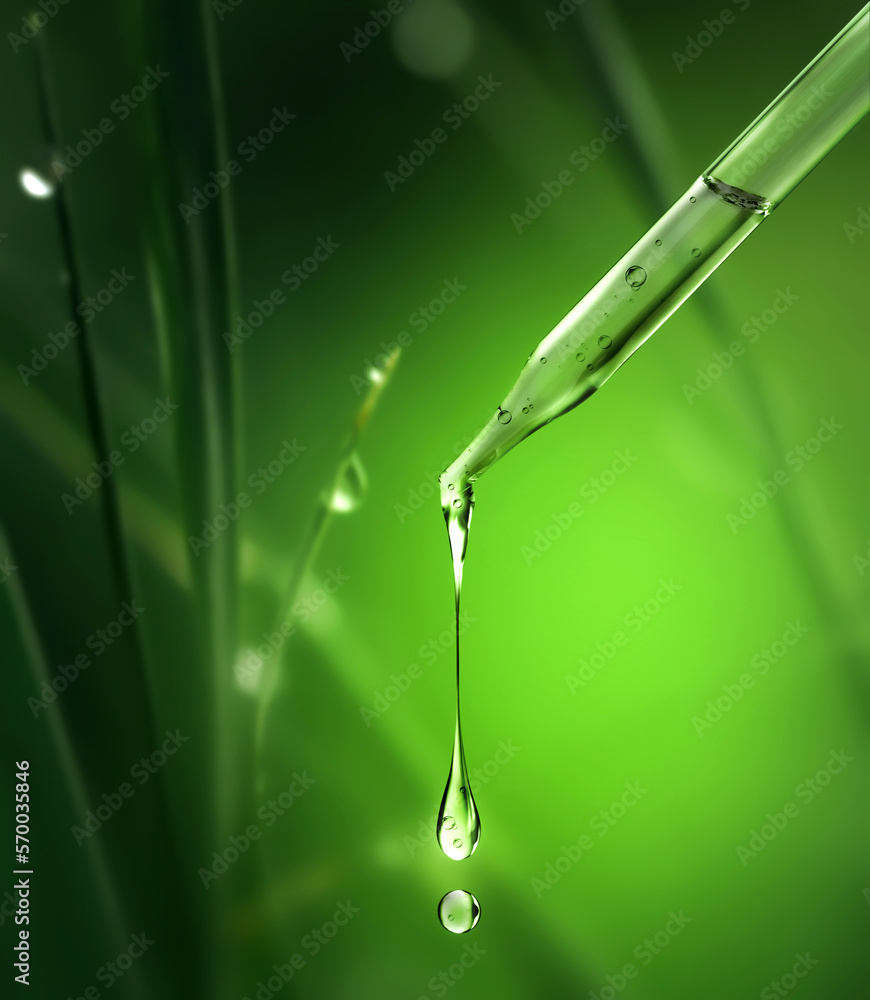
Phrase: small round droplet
(696, 252)
(692, 199)
(504, 416)
(457, 842)
(635, 276)
(525, 409)
(604, 341)
(457, 502)
(590, 368)
(450, 486)
(449, 823)
(658, 243)
(458, 911)
(581, 356)
(543, 361)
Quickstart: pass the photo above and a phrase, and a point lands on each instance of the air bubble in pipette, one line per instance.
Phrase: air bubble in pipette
(635, 276)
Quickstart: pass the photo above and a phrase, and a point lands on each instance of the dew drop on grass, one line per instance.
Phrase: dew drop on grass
(457, 502)
(692, 199)
(350, 490)
(604, 342)
(696, 252)
(635, 276)
(581, 356)
(504, 416)
(658, 243)
(458, 911)
(37, 183)
(543, 361)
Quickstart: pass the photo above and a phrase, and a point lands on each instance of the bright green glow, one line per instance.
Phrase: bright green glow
(365, 831)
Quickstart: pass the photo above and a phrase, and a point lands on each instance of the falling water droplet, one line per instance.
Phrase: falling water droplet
(458, 911)
(37, 183)
(696, 252)
(457, 815)
(635, 276)
(350, 489)
(604, 342)
(504, 416)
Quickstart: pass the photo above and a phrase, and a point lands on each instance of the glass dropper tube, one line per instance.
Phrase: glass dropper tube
(730, 199)
(798, 129)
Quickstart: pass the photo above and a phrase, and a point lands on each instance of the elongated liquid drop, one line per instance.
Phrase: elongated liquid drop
(458, 823)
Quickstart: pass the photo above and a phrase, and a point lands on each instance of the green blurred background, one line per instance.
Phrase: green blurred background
(361, 834)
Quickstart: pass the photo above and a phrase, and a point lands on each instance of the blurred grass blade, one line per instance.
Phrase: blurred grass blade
(117, 927)
(336, 498)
